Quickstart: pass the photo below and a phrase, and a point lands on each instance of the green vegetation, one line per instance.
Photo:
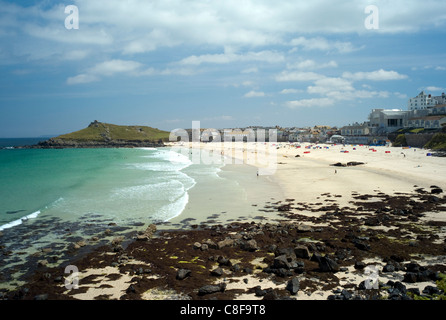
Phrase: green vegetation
(441, 284)
(98, 131)
(400, 141)
(438, 142)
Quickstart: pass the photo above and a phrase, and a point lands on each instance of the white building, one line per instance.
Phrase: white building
(421, 101)
(383, 121)
(440, 99)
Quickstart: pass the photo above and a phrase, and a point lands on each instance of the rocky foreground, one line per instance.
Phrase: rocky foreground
(380, 247)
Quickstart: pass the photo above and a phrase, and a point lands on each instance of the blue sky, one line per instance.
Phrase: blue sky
(226, 63)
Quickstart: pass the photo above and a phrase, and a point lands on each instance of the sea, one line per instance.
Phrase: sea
(51, 198)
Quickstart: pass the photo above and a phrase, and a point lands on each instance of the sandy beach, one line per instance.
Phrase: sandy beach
(345, 208)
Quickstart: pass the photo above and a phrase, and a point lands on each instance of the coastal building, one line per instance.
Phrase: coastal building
(428, 122)
(383, 121)
(440, 99)
(356, 133)
(421, 101)
(356, 130)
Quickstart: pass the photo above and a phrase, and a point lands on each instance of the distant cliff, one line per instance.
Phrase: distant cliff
(105, 135)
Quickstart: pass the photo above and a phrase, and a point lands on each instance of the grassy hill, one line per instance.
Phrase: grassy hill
(104, 132)
(438, 142)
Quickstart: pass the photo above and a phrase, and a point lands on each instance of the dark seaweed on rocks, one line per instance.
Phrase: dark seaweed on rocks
(300, 253)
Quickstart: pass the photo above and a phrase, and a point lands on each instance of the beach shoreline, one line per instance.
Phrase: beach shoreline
(387, 211)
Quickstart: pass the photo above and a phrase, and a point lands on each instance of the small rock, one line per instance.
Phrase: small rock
(303, 228)
(259, 292)
(293, 286)
(389, 268)
(131, 289)
(182, 274)
(347, 295)
(328, 265)
(42, 263)
(209, 289)
(41, 297)
(250, 245)
(218, 272)
(281, 262)
(211, 244)
(410, 277)
(361, 245)
(301, 251)
(359, 265)
(197, 245)
(222, 261)
(228, 242)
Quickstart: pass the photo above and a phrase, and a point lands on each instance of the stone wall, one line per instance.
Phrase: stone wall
(418, 140)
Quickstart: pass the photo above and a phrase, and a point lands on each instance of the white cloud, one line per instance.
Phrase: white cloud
(108, 68)
(309, 103)
(254, 94)
(322, 44)
(378, 75)
(124, 67)
(400, 95)
(228, 57)
(250, 70)
(298, 76)
(311, 65)
(433, 88)
(326, 85)
(291, 91)
(82, 78)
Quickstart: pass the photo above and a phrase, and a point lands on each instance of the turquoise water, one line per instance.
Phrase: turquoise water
(120, 184)
(52, 198)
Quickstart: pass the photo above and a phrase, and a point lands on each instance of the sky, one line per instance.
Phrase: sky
(225, 63)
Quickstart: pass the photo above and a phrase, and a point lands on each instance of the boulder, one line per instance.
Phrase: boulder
(209, 289)
(436, 190)
(361, 245)
(211, 244)
(328, 265)
(42, 263)
(303, 228)
(218, 272)
(197, 245)
(302, 251)
(389, 268)
(281, 262)
(359, 265)
(250, 245)
(228, 242)
(293, 286)
(183, 274)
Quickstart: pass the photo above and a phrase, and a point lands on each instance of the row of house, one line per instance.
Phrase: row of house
(423, 111)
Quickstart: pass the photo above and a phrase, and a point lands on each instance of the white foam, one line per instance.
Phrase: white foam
(170, 161)
(19, 221)
(157, 191)
(173, 209)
